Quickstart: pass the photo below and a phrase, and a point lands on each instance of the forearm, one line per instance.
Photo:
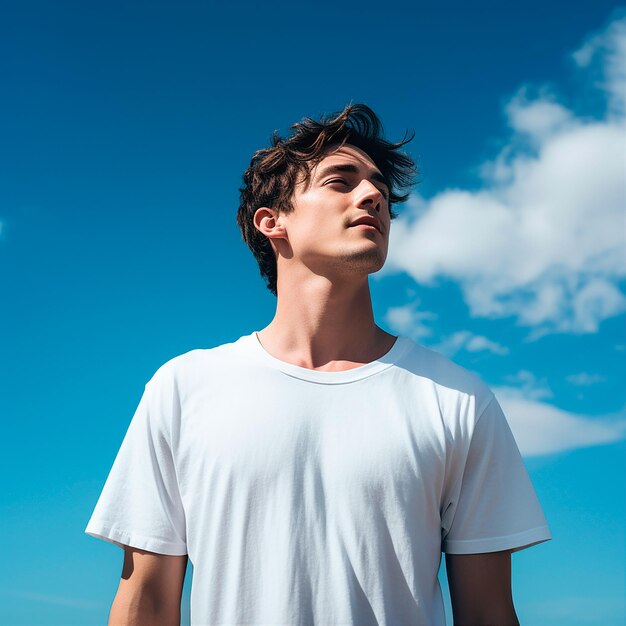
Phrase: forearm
(136, 607)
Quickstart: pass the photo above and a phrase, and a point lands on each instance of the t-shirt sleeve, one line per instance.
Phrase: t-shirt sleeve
(140, 504)
(496, 507)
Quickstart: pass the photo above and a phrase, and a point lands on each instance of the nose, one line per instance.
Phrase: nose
(368, 193)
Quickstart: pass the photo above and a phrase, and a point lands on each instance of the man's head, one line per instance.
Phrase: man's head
(319, 180)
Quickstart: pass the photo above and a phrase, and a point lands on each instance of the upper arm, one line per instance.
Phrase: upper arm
(151, 584)
(480, 588)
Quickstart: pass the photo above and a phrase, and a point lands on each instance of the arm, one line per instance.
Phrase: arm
(150, 589)
(480, 589)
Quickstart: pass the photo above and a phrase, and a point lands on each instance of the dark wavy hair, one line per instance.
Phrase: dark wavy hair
(273, 174)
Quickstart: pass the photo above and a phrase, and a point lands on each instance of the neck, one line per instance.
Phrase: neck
(325, 325)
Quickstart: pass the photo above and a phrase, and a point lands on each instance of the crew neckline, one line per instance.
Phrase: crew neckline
(399, 347)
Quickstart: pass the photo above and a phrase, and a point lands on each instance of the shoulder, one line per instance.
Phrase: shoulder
(458, 392)
(193, 365)
(442, 372)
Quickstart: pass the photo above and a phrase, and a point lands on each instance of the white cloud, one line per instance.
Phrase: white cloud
(584, 379)
(544, 239)
(538, 119)
(540, 428)
(464, 339)
(604, 54)
(529, 385)
(409, 320)
(478, 343)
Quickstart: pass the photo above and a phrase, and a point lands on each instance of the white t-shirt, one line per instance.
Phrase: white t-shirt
(317, 498)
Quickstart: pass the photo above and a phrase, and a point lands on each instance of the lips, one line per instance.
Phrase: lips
(370, 221)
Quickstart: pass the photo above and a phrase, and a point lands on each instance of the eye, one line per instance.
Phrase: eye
(341, 181)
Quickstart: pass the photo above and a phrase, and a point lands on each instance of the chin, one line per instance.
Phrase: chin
(371, 266)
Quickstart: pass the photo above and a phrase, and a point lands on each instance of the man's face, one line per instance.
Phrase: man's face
(345, 186)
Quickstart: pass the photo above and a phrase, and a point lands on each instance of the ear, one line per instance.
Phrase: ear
(268, 221)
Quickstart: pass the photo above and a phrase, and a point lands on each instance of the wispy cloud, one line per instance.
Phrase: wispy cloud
(584, 379)
(410, 320)
(466, 340)
(526, 383)
(604, 54)
(541, 428)
(48, 598)
(543, 239)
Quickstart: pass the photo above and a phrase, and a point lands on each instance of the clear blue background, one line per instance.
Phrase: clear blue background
(125, 130)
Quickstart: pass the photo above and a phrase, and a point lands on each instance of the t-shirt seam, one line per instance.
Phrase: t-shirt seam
(497, 537)
(168, 377)
(110, 531)
(168, 372)
(338, 382)
(514, 541)
(480, 412)
(403, 352)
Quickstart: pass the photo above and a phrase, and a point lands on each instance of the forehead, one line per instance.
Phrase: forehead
(346, 153)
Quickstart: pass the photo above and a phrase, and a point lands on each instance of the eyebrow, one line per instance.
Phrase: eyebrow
(352, 169)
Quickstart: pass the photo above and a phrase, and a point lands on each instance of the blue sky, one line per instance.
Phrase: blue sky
(126, 128)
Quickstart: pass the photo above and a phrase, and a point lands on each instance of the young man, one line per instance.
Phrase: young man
(315, 471)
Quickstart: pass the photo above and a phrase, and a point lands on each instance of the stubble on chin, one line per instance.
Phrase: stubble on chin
(370, 260)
